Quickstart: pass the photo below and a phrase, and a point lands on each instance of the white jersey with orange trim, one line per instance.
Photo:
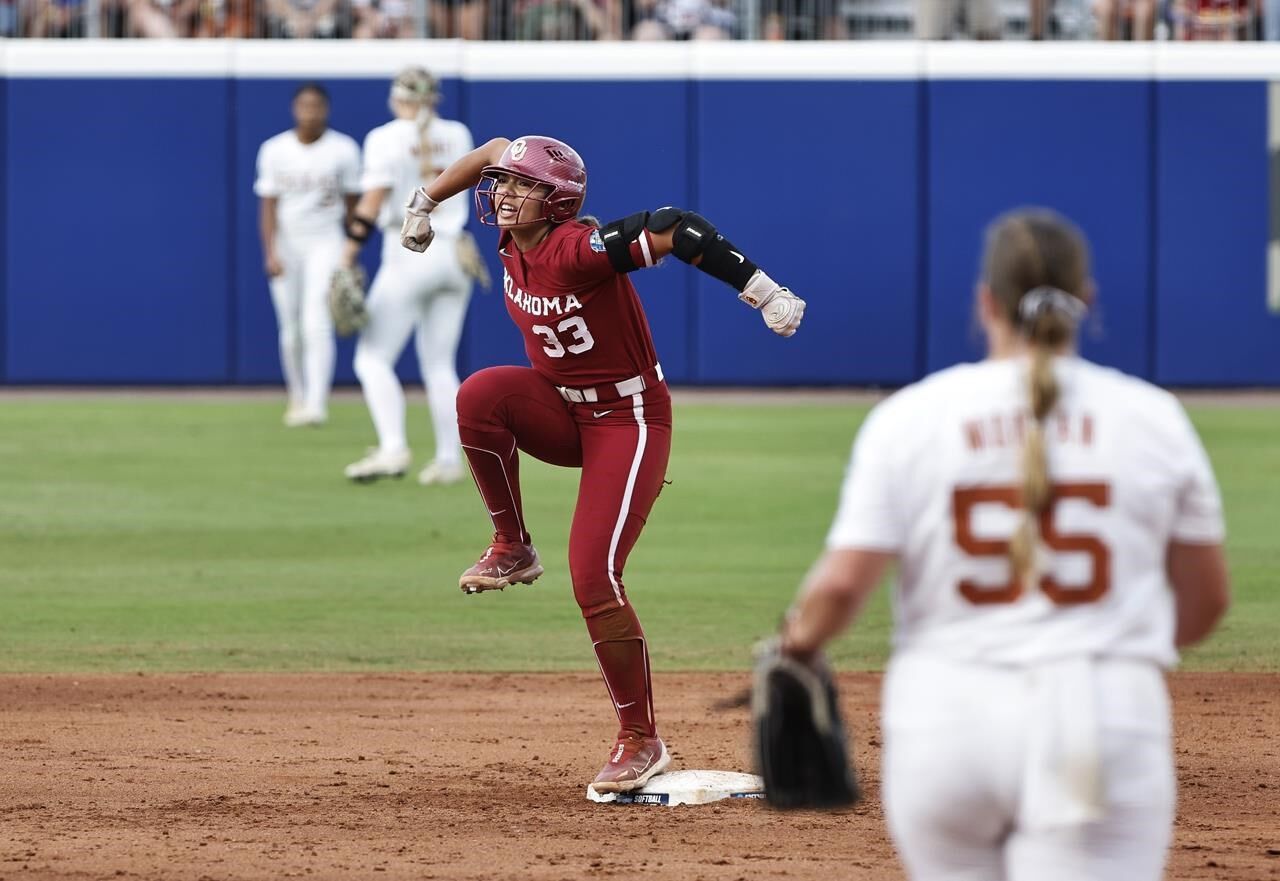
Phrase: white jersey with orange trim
(309, 180)
(935, 478)
(398, 156)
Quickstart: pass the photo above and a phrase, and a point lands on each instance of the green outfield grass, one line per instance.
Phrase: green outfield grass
(153, 534)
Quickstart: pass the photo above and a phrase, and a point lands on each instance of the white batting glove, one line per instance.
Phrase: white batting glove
(780, 309)
(416, 233)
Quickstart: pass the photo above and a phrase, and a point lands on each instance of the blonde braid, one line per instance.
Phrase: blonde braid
(1048, 329)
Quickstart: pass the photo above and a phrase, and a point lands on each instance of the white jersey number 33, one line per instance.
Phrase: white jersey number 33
(576, 327)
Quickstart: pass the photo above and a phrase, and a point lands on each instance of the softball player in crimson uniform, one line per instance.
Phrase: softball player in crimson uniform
(594, 399)
(1059, 533)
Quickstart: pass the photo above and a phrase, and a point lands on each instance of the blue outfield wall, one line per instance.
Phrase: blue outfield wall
(1211, 319)
(130, 244)
(117, 252)
(998, 145)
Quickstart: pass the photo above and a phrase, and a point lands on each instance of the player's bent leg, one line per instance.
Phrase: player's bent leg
(502, 410)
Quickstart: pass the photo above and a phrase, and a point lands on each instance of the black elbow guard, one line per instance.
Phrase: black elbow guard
(618, 237)
(695, 237)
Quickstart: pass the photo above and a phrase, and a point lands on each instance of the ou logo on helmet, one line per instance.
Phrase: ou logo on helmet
(518, 149)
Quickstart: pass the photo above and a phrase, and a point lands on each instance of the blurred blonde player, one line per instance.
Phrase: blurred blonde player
(1058, 532)
(412, 295)
(308, 179)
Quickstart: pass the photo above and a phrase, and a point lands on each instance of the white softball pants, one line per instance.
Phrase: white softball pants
(1059, 771)
(426, 295)
(300, 295)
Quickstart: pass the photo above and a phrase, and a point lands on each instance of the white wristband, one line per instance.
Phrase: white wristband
(421, 203)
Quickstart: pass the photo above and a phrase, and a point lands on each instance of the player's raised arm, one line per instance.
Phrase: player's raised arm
(642, 239)
(416, 234)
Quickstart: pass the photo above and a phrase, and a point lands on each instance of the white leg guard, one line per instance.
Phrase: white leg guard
(437, 345)
(317, 325)
(286, 296)
(391, 318)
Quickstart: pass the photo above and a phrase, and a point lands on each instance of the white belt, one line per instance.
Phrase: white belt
(625, 389)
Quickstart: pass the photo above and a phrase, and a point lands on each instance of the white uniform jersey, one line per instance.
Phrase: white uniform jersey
(394, 158)
(935, 478)
(309, 181)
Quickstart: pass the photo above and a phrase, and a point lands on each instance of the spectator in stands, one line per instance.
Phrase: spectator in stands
(568, 20)
(57, 19)
(153, 19)
(458, 18)
(1125, 19)
(1213, 19)
(1038, 19)
(9, 19)
(383, 19)
(683, 20)
(1271, 19)
(302, 19)
(936, 19)
(806, 20)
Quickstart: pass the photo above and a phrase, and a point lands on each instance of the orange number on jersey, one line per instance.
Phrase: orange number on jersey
(963, 501)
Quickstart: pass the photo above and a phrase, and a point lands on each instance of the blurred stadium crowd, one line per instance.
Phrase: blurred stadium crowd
(646, 19)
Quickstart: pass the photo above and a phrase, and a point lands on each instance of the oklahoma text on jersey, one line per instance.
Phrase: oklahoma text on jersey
(535, 305)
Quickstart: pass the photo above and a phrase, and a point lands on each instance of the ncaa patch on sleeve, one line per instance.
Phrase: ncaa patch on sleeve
(597, 243)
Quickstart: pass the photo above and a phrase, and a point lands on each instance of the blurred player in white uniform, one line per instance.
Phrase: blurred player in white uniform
(308, 179)
(411, 295)
(1058, 532)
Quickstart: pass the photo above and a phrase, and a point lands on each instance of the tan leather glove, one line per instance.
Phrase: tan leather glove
(471, 261)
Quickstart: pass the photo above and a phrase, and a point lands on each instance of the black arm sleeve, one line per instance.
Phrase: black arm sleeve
(695, 237)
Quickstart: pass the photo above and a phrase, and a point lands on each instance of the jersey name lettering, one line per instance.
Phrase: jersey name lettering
(535, 305)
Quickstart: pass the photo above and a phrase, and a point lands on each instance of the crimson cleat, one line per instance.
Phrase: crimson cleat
(503, 564)
(633, 762)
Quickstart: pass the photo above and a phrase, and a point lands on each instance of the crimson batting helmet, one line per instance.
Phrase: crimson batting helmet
(542, 160)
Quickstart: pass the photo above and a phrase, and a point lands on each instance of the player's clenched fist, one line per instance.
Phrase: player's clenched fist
(780, 309)
(416, 234)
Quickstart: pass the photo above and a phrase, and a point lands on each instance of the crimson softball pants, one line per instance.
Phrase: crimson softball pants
(622, 448)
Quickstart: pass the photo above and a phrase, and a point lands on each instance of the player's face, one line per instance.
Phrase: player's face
(311, 113)
(518, 201)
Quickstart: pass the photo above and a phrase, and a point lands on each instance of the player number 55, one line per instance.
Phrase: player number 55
(963, 502)
(573, 325)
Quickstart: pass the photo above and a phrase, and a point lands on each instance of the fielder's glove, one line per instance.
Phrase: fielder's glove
(799, 739)
(346, 300)
(471, 262)
(416, 232)
(781, 309)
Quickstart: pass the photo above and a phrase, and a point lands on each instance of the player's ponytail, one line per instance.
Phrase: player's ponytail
(1037, 266)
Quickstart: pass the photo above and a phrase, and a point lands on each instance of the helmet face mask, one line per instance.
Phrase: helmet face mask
(540, 160)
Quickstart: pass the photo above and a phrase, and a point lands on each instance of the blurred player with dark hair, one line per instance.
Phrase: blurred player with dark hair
(307, 181)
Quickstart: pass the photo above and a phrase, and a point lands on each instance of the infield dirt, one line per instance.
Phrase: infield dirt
(458, 777)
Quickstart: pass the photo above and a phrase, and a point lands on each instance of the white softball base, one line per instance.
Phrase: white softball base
(686, 788)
